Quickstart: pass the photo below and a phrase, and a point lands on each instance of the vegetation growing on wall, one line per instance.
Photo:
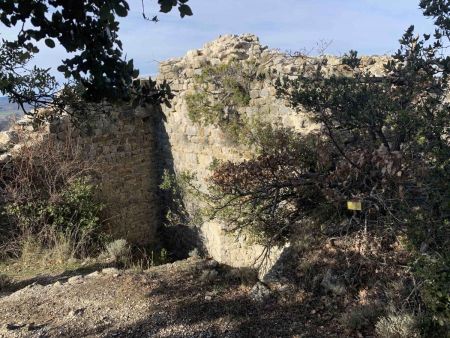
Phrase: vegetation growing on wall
(177, 187)
(221, 91)
(351, 59)
(180, 231)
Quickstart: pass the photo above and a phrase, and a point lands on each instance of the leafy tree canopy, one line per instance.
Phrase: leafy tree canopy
(87, 29)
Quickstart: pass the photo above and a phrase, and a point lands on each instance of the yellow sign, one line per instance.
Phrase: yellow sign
(354, 205)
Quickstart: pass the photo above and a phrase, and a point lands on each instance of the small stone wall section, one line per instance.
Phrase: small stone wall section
(123, 145)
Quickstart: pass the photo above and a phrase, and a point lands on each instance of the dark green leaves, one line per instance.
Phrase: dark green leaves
(121, 10)
(439, 10)
(185, 10)
(89, 30)
(147, 91)
(167, 5)
(50, 43)
(351, 59)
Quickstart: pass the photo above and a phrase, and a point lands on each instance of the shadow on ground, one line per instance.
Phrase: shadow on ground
(186, 306)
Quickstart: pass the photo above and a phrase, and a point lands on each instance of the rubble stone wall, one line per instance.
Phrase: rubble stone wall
(194, 147)
(136, 145)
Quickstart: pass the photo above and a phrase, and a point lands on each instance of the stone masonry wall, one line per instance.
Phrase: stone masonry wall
(123, 146)
(194, 147)
(134, 146)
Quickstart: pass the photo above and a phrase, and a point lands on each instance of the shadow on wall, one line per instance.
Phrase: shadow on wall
(180, 239)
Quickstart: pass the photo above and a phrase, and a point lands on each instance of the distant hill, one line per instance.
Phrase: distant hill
(7, 112)
(7, 108)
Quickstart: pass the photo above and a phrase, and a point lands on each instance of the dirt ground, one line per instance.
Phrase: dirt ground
(191, 298)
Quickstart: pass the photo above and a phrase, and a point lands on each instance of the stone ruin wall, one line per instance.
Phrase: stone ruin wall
(136, 145)
(194, 147)
(124, 148)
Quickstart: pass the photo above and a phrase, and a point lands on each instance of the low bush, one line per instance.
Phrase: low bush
(119, 251)
(397, 326)
(49, 195)
(362, 317)
(5, 281)
(71, 217)
(434, 271)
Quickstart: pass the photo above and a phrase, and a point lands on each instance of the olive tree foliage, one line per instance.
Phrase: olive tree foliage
(96, 68)
(384, 142)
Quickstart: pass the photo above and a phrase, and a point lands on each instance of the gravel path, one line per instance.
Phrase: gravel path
(191, 298)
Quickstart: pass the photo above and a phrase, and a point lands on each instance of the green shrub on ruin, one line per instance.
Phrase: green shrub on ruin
(220, 93)
(351, 59)
(177, 189)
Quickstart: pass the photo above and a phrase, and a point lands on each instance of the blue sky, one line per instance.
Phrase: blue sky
(369, 26)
